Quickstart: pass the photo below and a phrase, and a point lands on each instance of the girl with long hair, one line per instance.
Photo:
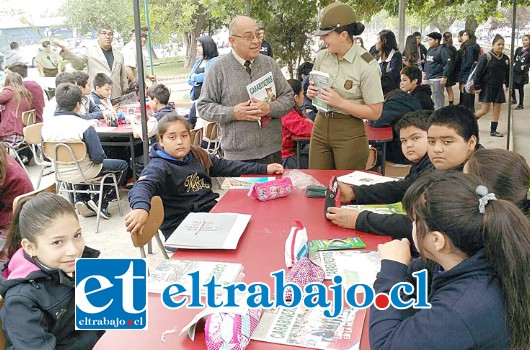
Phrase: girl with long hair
(390, 60)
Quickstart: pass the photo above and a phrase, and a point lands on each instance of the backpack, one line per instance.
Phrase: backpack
(470, 80)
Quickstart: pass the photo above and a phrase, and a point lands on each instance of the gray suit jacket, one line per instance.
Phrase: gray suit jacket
(92, 55)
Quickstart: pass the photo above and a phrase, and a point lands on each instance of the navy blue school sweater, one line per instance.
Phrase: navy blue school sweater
(467, 309)
(183, 185)
(396, 225)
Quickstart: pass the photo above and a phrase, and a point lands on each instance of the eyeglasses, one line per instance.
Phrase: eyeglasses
(107, 33)
(249, 36)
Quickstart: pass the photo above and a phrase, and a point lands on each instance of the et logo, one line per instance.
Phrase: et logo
(111, 294)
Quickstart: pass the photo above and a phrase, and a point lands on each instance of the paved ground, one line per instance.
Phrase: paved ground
(114, 241)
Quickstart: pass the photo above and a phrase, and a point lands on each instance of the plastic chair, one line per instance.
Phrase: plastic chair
(33, 137)
(52, 189)
(196, 137)
(211, 133)
(71, 153)
(28, 118)
(151, 228)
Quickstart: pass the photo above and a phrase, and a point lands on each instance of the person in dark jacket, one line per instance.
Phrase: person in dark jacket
(411, 83)
(493, 70)
(451, 80)
(265, 48)
(479, 248)
(437, 68)
(452, 122)
(181, 175)
(37, 283)
(422, 50)
(397, 104)
(521, 65)
(390, 60)
(469, 52)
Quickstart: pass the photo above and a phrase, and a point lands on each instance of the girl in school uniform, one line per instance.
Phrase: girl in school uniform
(390, 60)
(37, 283)
(451, 79)
(520, 70)
(295, 124)
(468, 56)
(181, 175)
(493, 69)
(477, 248)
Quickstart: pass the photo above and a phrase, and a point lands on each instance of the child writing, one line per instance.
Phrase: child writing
(102, 92)
(505, 172)
(480, 248)
(181, 175)
(452, 136)
(295, 124)
(37, 283)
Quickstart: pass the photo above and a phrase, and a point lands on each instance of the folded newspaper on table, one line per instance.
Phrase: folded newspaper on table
(263, 89)
(176, 271)
(353, 266)
(131, 97)
(394, 208)
(209, 231)
(231, 183)
(309, 328)
(358, 178)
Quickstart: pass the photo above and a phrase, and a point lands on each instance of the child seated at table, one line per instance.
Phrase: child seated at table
(51, 106)
(37, 284)
(67, 126)
(295, 124)
(397, 104)
(89, 109)
(158, 95)
(102, 92)
(478, 248)
(505, 172)
(180, 174)
(452, 136)
(411, 83)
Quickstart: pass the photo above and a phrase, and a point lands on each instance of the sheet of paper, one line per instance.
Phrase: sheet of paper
(358, 178)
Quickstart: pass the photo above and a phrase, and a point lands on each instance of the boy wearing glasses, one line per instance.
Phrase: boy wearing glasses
(100, 57)
(225, 100)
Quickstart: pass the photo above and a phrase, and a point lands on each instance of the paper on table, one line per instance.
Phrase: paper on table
(231, 183)
(209, 231)
(358, 178)
(361, 267)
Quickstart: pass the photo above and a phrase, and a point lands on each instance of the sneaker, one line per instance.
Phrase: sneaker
(513, 101)
(104, 212)
(496, 134)
(519, 107)
(84, 209)
(129, 185)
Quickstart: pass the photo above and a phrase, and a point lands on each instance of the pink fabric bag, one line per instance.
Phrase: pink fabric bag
(302, 273)
(224, 331)
(266, 191)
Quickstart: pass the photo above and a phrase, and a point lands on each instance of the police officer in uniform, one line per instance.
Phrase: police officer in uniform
(354, 93)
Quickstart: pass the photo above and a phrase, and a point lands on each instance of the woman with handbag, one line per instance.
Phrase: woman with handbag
(520, 70)
(207, 53)
(469, 53)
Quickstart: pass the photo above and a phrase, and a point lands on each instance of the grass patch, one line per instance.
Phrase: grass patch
(170, 67)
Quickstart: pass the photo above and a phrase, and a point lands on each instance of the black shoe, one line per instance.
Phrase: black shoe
(104, 212)
(84, 209)
(513, 101)
(25, 160)
(519, 107)
(496, 134)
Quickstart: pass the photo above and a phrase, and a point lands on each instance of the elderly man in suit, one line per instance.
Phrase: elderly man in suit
(100, 57)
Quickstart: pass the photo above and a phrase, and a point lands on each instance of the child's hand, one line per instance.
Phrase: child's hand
(345, 218)
(274, 168)
(346, 193)
(396, 250)
(135, 221)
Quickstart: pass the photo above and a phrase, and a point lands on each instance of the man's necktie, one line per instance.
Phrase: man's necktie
(247, 67)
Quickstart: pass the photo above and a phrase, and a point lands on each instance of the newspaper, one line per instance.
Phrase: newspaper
(349, 264)
(394, 208)
(358, 178)
(320, 80)
(263, 89)
(309, 328)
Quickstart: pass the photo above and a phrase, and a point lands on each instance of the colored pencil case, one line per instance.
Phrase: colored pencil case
(226, 330)
(266, 191)
(303, 272)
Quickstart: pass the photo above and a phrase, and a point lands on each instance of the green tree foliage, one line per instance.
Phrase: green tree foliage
(89, 15)
(288, 25)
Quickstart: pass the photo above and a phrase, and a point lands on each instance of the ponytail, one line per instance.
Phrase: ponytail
(507, 244)
(203, 157)
(13, 234)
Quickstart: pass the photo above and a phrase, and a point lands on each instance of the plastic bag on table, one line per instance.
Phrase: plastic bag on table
(300, 179)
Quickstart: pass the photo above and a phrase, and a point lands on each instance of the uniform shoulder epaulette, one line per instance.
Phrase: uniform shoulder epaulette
(367, 57)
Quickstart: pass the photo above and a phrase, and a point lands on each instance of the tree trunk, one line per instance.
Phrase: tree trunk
(471, 23)
(190, 37)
